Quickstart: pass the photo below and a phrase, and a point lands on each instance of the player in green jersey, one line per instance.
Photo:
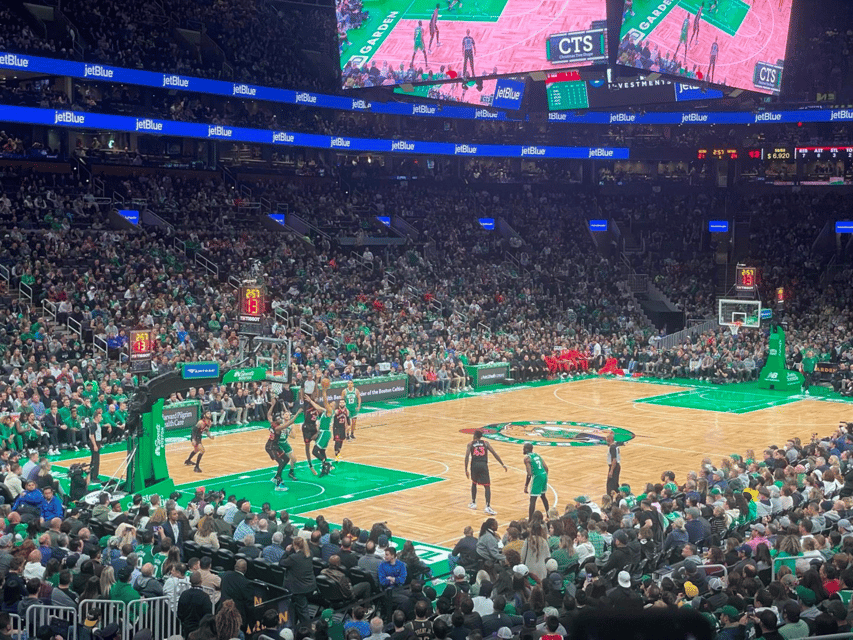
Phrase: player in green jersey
(323, 436)
(279, 449)
(537, 479)
(419, 43)
(352, 397)
(685, 27)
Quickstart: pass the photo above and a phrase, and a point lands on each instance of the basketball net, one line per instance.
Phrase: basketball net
(735, 327)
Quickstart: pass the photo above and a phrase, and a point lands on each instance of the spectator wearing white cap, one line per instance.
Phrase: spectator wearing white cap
(846, 528)
(622, 595)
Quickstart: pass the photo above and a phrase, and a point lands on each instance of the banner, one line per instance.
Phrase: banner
(181, 415)
(105, 73)
(371, 389)
(81, 120)
(485, 375)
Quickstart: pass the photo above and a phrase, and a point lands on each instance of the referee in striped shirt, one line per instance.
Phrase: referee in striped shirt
(469, 48)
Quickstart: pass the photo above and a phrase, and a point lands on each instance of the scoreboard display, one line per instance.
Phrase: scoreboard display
(746, 278)
(720, 154)
(566, 91)
(824, 153)
(141, 350)
(771, 153)
(252, 308)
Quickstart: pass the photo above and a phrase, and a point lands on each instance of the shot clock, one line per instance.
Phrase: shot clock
(141, 350)
(252, 308)
(746, 278)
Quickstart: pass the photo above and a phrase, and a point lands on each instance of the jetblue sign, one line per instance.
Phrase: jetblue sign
(718, 226)
(598, 225)
(508, 94)
(74, 119)
(844, 227)
(130, 215)
(511, 91)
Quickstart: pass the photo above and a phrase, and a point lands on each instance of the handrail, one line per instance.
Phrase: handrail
(99, 343)
(5, 273)
(179, 244)
(282, 315)
(39, 615)
(78, 329)
(25, 291)
(669, 341)
(234, 281)
(49, 308)
(391, 277)
(307, 328)
(485, 329)
(208, 265)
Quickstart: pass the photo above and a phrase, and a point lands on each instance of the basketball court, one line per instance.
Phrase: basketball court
(747, 32)
(510, 35)
(406, 466)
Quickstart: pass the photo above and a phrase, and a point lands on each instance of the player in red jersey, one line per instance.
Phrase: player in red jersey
(695, 33)
(340, 426)
(433, 28)
(478, 453)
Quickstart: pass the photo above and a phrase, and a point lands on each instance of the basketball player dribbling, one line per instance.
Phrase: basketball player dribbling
(478, 453)
(419, 43)
(199, 430)
(433, 27)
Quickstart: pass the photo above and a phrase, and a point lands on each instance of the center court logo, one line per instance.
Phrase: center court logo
(553, 433)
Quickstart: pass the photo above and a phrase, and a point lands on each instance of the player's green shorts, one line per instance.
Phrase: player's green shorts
(285, 447)
(419, 44)
(323, 439)
(538, 485)
(353, 410)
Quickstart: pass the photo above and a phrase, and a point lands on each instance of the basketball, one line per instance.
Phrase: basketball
(326, 383)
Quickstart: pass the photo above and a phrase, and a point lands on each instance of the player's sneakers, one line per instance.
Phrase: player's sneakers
(188, 463)
(337, 457)
(197, 469)
(280, 487)
(490, 511)
(473, 505)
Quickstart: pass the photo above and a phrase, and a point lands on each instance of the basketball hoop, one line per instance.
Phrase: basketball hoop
(735, 327)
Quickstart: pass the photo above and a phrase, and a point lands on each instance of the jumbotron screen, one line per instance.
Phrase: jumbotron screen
(388, 42)
(736, 43)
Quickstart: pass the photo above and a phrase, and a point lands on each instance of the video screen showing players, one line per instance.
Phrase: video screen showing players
(736, 43)
(389, 42)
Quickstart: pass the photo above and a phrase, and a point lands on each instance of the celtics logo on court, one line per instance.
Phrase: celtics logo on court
(553, 433)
